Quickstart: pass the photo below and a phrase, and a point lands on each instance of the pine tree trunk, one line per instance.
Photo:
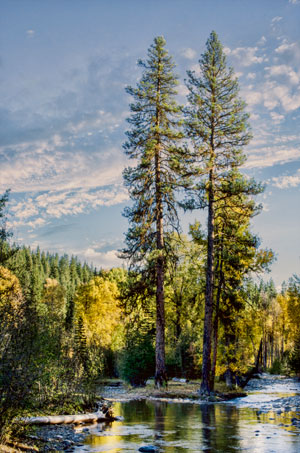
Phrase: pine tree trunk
(259, 356)
(207, 335)
(160, 369)
(216, 330)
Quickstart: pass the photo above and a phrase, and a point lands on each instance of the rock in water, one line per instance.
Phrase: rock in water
(148, 448)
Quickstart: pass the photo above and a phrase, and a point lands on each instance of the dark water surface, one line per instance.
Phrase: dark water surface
(187, 427)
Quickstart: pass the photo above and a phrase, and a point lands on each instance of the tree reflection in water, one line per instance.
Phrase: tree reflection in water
(185, 427)
(220, 429)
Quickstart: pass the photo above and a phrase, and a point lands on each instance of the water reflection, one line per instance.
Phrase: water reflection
(175, 427)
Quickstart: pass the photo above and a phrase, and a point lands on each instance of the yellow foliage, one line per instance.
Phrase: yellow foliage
(96, 303)
(10, 295)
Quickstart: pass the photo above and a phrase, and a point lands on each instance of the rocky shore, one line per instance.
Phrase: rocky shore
(54, 438)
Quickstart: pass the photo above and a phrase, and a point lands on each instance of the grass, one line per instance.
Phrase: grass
(186, 390)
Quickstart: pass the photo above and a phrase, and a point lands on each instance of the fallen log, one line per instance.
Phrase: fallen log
(16, 446)
(68, 419)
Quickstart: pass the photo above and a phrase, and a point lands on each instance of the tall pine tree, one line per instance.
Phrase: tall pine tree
(217, 126)
(152, 182)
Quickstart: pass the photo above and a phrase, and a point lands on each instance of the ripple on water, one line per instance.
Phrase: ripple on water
(238, 425)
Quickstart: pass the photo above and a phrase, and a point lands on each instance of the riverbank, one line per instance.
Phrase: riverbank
(272, 393)
(261, 421)
(271, 396)
(251, 423)
(178, 390)
(286, 389)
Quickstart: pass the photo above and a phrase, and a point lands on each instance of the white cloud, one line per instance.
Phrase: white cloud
(275, 24)
(265, 206)
(196, 68)
(294, 2)
(36, 223)
(245, 55)
(30, 33)
(262, 41)
(276, 19)
(251, 76)
(39, 209)
(267, 156)
(40, 166)
(252, 97)
(289, 52)
(182, 90)
(189, 53)
(276, 117)
(105, 260)
(283, 70)
(285, 47)
(25, 210)
(275, 94)
(286, 181)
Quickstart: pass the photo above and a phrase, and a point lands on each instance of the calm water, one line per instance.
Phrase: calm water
(186, 427)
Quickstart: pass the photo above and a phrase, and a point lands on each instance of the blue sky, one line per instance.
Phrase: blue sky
(63, 69)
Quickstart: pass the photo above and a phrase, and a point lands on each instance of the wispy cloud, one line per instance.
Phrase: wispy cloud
(262, 41)
(58, 154)
(104, 260)
(37, 210)
(188, 53)
(283, 71)
(246, 56)
(276, 117)
(287, 181)
(276, 19)
(30, 33)
(270, 155)
(44, 167)
(103, 253)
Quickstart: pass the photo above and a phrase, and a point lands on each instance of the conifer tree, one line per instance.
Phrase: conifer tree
(6, 252)
(217, 126)
(152, 142)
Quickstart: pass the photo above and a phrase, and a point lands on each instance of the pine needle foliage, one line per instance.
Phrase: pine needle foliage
(153, 143)
(217, 126)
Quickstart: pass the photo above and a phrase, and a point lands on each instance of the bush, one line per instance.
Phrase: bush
(294, 358)
(277, 367)
(137, 361)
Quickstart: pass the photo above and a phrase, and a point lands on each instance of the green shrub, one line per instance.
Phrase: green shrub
(137, 361)
(277, 367)
(294, 358)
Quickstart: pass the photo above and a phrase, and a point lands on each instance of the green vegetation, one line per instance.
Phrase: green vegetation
(153, 142)
(187, 306)
(217, 126)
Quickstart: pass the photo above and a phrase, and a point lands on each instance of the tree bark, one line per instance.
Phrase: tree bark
(259, 356)
(207, 335)
(160, 367)
(216, 324)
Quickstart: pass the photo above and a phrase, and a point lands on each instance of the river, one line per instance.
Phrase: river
(267, 420)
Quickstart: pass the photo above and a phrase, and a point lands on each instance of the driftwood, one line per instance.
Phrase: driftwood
(16, 446)
(68, 419)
